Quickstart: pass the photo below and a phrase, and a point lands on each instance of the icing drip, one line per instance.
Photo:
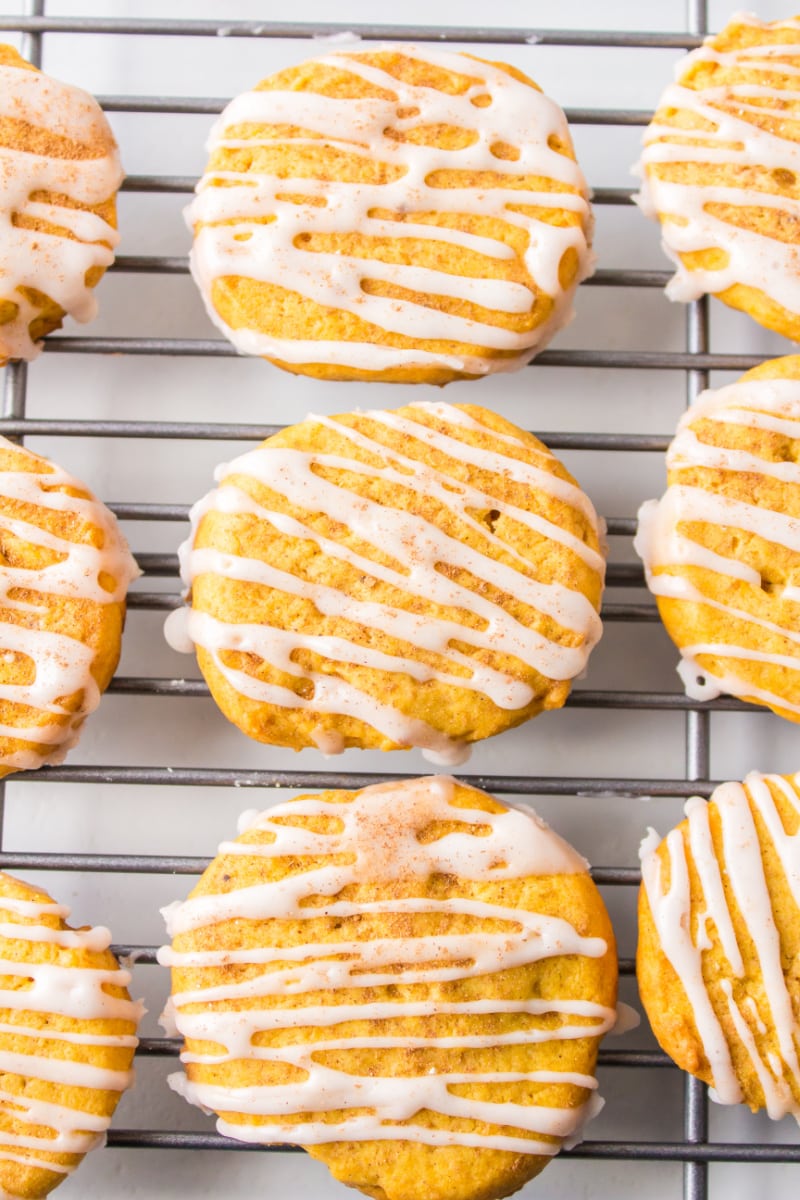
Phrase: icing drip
(420, 547)
(758, 1004)
(376, 838)
(231, 238)
(628, 1019)
(53, 988)
(55, 264)
(680, 566)
(726, 138)
(99, 574)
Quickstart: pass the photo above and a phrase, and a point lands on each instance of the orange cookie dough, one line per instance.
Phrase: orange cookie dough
(410, 981)
(721, 549)
(719, 942)
(719, 172)
(64, 573)
(67, 1040)
(58, 223)
(401, 213)
(424, 577)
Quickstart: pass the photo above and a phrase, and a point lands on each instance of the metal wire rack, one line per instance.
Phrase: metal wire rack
(694, 1150)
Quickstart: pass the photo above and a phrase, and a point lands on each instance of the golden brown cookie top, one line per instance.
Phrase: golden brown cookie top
(721, 547)
(720, 941)
(67, 1039)
(376, 210)
(721, 165)
(61, 171)
(384, 567)
(412, 963)
(65, 568)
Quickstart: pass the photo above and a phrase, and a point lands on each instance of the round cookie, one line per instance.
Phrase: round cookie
(410, 981)
(424, 577)
(721, 171)
(401, 213)
(58, 223)
(721, 550)
(67, 1040)
(64, 573)
(719, 942)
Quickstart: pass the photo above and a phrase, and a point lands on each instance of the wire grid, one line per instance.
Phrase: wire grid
(694, 1151)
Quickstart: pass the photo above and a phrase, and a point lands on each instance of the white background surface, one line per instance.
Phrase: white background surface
(641, 1104)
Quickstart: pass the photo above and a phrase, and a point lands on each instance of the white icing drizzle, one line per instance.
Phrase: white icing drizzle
(375, 838)
(419, 546)
(232, 240)
(52, 263)
(665, 544)
(754, 259)
(58, 990)
(759, 1004)
(63, 665)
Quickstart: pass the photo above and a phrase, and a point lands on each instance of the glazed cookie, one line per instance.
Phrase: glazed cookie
(721, 549)
(58, 221)
(64, 572)
(721, 171)
(425, 577)
(67, 1039)
(719, 942)
(410, 981)
(400, 213)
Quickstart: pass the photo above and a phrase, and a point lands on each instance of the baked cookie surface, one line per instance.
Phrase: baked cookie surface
(64, 572)
(399, 213)
(61, 172)
(67, 1040)
(720, 548)
(423, 577)
(719, 942)
(410, 981)
(721, 171)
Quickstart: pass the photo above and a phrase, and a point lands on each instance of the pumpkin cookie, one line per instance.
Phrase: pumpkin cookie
(58, 224)
(67, 1040)
(64, 572)
(719, 942)
(425, 577)
(410, 981)
(720, 172)
(401, 213)
(721, 548)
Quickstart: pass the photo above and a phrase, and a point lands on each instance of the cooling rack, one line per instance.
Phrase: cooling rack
(153, 525)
